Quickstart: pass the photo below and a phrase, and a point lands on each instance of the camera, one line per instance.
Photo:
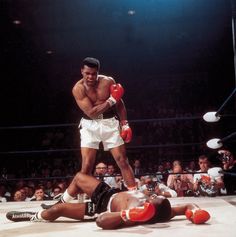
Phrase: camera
(151, 186)
(178, 176)
(224, 157)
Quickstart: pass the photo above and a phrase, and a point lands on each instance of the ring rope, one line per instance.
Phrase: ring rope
(78, 149)
(100, 176)
(130, 121)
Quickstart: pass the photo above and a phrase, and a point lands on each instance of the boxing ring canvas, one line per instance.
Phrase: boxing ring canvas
(221, 224)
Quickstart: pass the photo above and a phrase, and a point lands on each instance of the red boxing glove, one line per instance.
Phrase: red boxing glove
(116, 92)
(197, 216)
(140, 214)
(126, 132)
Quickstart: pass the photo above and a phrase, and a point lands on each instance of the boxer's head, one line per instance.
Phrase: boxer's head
(91, 62)
(163, 209)
(89, 70)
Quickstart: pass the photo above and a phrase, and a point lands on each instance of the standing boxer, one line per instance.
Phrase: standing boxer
(100, 99)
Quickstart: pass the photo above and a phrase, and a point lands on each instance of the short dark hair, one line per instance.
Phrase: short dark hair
(203, 157)
(57, 187)
(91, 62)
(163, 212)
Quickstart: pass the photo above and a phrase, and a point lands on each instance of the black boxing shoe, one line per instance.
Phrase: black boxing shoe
(47, 206)
(18, 216)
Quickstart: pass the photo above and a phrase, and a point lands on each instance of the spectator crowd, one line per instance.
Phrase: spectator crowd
(168, 178)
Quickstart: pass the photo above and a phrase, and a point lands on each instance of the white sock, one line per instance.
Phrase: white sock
(39, 216)
(66, 197)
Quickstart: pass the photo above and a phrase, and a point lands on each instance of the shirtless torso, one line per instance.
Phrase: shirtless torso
(90, 94)
(97, 93)
(126, 200)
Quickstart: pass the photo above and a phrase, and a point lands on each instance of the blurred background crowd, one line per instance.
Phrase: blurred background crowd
(207, 175)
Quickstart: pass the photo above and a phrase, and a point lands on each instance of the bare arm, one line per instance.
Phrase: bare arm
(86, 105)
(126, 131)
(112, 220)
(165, 191)
(181, 209)
(121, 110)
(219, 183)
(196, 185)
(170, 181)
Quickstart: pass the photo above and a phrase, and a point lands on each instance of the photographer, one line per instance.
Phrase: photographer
(151, 186)
(181, 183)
(207, 181)
(229, 167)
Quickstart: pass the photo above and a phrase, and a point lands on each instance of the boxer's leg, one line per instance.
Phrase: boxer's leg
(70, 210)
(88, 160)
(83, 182)
(80, 183)
(119, 154)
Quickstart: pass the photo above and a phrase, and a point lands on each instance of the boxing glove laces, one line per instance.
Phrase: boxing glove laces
(197, 216)
(139, 214)
(116, 93)
(126, 131)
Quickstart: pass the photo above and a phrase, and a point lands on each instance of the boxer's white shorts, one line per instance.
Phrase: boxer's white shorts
(107, 131)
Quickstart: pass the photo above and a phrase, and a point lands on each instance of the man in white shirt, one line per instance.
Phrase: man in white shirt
(206, 184)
